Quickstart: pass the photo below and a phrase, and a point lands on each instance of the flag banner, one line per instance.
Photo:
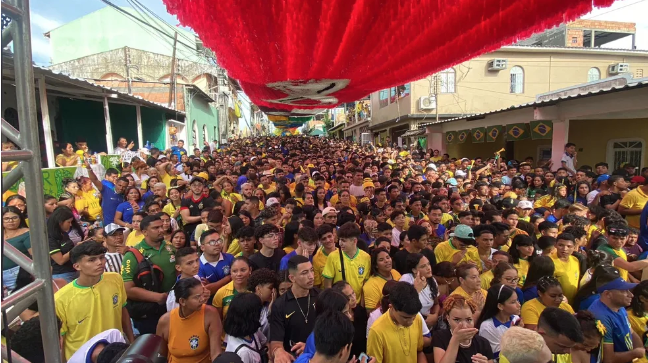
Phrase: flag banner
(451, 137)
(541, 130)
(493, 132)
(478, 135)
(515, 132)
(462, 136)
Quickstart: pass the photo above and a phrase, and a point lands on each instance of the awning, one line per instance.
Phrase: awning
(337, 128)
(417, 132)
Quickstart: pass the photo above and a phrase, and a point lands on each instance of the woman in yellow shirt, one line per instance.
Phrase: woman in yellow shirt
(68, 157)
(470, 286)
(240, 272)
(88, 201)
(547, 201)
(381, 272)
(638, 311)
(173, 208)
(522, 251)
(550, 294)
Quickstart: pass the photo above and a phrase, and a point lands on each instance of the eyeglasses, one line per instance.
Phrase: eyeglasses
(512, 280)
(10, 219)
(214, 242)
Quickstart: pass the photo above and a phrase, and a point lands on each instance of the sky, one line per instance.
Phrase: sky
(47, 15)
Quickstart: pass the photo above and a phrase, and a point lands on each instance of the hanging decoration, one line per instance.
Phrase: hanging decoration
(516, 132)
(301, 57)
(462, 136)
(451, 137)
(478, 135)
(541, 130)
(492, 132)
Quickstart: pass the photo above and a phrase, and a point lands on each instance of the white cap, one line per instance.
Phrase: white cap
(525, 204)
(271, 202)
(328, 210)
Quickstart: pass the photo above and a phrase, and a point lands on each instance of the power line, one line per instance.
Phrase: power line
(144, 8)
(613, 10)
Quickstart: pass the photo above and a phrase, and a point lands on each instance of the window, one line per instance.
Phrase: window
(447, 80)
(383, 97)
(625, 151)
(593, 74)
(205, 134)
(574, 40)
(517, 80)
(638, 73)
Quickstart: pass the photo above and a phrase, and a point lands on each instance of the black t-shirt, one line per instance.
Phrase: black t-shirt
(360, 318)
(609, 199)
(195, 206)
(441, 339)
(64, 245)
(273, 262)
(287, 322)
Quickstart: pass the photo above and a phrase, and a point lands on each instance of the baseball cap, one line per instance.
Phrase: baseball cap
(433, 166)
(111, 228)
(463, 231)
(271, 202)
(197, 179)
(368, 184)
(616, 284)
(162, 156)
(452, 181)
(328, 210)
(525, 204)
(460, 173)
(638, 179)
(602, 178)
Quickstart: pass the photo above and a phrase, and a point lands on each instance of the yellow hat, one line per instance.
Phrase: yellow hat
(368, 184)
(510, 195)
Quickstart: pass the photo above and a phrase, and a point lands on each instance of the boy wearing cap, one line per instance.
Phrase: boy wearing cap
(459, 248)
(114, 235)
(191, 207)
(616, 234)
(524, 210)
(620, 343)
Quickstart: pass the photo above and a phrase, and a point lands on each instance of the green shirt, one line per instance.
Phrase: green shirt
(163, 258)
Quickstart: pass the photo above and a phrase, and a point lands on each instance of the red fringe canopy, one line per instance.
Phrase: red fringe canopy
(302, 56)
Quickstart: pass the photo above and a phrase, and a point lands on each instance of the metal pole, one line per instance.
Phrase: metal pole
(128, 77)
(109, 137)
(140, 136)
(47, 127)
(28, 139)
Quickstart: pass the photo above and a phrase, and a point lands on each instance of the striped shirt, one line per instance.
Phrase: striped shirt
(114, 261)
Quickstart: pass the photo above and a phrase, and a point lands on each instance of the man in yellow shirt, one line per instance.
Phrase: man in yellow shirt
(459, 248)
(266, 184)
(567, 267)
(357, 263)
(616, 234)
(326, 236)
(93, 303)
(399, 324)
(633, 203)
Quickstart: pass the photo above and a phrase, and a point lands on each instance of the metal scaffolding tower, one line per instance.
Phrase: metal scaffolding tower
(29, 168)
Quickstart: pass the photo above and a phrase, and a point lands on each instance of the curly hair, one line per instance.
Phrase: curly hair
(262, 276)
(458, 302)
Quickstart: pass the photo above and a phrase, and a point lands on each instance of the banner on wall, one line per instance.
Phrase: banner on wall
(517, 132)
(493, 132)
(451, 137)
(478, 135)
(52, 180)
(462, 136)
(541, 130)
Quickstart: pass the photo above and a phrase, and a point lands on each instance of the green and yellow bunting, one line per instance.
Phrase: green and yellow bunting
(451, 137)
(462, 136)
(478, 135)
(516, 132)
(493, 132)
(541, 130)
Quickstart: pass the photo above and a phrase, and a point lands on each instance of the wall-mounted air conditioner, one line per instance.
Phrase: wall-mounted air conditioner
(497, 64)
(619, 68)
(427, 103)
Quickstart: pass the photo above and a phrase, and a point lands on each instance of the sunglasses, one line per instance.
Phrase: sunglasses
(618, 232)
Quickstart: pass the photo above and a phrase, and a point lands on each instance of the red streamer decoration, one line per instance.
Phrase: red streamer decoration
(300, 56)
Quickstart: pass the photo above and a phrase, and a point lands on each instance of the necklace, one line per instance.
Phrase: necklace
(307, 309)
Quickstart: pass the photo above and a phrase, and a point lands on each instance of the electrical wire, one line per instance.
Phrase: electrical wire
(613, 10)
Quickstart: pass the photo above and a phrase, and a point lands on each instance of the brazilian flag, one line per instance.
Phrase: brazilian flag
(451, 137)
(478, 135)
(516, 132)
(462, 136)
(541, 130)
(493, 132)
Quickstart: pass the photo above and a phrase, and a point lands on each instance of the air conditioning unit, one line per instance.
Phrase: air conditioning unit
(427, 103)
(619, 68)
(365, 138)
(497, 64)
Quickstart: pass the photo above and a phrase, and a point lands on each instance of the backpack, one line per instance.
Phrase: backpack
(148, 276)
(263, 351)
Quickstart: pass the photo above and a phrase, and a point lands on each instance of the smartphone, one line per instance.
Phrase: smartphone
(365, 357)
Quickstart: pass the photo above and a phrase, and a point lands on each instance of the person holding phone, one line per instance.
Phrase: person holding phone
(460, 342)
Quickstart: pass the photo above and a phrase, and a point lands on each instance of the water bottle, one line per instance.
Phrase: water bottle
(98, 222)
(148, 145)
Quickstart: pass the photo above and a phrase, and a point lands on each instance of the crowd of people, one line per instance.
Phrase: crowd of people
(304, 249)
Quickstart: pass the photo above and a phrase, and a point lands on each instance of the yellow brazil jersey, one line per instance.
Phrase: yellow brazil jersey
(90, 200)
(568, 274)
(356, 269)
(134, 238)
(445, 250)
(319, 261)
(616, 253)
(372, 289)
(392, 343)
(86, 311)
(271, 188)
(523, 271)
(460, 291)
(486, 279)
(352, 200)
(532, 309)
(445, 218)
(234, 247)
(224, 297)
(636, 199)
(638, 323)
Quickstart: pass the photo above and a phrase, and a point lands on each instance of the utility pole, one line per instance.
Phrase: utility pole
(172, 90)
(127, 63)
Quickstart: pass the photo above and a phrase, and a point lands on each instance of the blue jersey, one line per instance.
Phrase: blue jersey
(283, 265)
(214, 272)
(109, 203)
(617, 326)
